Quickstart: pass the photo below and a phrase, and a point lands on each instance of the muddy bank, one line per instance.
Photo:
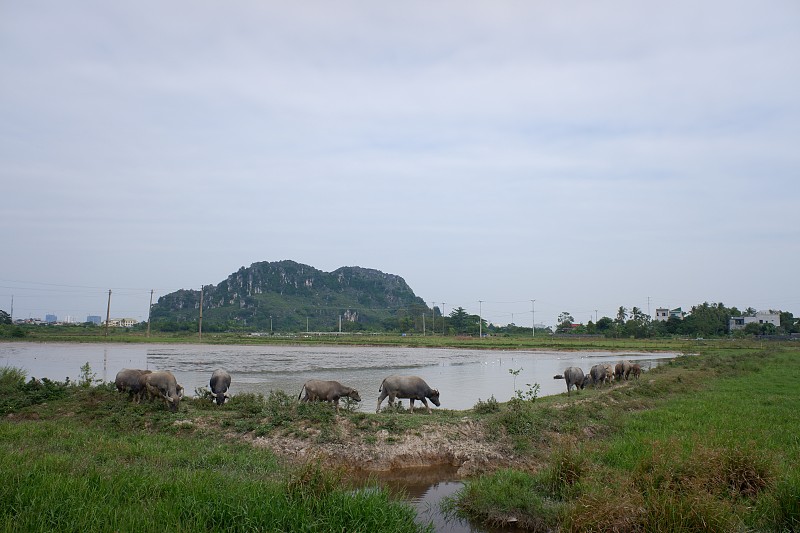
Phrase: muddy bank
(464, 447)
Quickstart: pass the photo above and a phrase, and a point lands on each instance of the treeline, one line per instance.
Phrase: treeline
(704, 320)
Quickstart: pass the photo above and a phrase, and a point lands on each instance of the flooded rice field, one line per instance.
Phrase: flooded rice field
(461, 376)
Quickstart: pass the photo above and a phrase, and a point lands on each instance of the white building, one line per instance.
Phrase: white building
(122, 322)
(762, 317)
(663, 314)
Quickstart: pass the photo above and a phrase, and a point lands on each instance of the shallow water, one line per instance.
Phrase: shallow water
(426, 488)
(461, 376)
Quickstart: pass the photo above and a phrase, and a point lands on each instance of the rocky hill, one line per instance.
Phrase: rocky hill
(289, 296)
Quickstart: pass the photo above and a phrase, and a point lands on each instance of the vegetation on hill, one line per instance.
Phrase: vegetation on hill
(289, 296)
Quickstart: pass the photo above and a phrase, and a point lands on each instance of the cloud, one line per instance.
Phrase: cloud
(474, 149)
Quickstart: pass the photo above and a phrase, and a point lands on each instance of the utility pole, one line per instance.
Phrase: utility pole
(270, 324)
(200, 325)
(108, 311)
(12, 308)
(149, 313)
(533, 318)
(306, 324)
(433, 320)
(480, 319)
(595, 316)
(423, 324)
(443, 322)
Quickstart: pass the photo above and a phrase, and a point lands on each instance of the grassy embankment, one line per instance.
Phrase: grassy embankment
(77, 458)
(704, 444)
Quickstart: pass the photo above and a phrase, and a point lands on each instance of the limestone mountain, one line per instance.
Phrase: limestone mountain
(289, 296)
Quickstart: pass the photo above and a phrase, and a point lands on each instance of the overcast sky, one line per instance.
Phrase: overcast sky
(588, 155)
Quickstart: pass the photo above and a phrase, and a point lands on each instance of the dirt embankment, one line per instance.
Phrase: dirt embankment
(464, 446)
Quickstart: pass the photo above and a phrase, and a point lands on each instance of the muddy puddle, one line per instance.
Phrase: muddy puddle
(426, 489)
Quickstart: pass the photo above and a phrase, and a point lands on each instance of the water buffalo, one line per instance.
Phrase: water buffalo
(162, 384)
(636, 370)
(220, 382)
(411, 387)
(622, 369)
(574, 377)
(132, 380)
(597, 374)
(327, 391)
(609, 372)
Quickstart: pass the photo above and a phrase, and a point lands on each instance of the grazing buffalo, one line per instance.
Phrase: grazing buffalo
(622, 369)
(220, 382)
(609, 372)
(574, 377)
(597, 375)
(132, 380)
(162, 384)
(636, 370)
(411, 387)
(327, 391)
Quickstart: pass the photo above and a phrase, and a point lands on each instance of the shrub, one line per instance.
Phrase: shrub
(15, 394)
(489, 406)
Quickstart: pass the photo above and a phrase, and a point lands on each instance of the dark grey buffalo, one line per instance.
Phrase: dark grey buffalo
(622, 369)
(220, 382)
(327, 391)
(411, 387)
(598, 375)
(636, 370)
(132, 381)
(573, 376)
(162, 384)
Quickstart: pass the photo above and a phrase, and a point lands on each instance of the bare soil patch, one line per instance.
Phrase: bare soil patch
(464, 446)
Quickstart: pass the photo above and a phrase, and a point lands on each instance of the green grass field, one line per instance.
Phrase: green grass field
(85, 459)
(709, 443)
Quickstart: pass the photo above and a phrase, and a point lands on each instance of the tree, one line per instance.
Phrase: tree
(707, 320)
(639, 324)
(458, 319)
(565, 321)
(788, 323)
(604, 325)
(5, 318)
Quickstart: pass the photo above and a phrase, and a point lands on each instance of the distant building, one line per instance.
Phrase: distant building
(762, 317)
(122, 322)
(94, 319)
(663, 314)
(50, 319)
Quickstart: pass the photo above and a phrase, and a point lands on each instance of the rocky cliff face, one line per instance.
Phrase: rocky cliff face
(291, 291)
